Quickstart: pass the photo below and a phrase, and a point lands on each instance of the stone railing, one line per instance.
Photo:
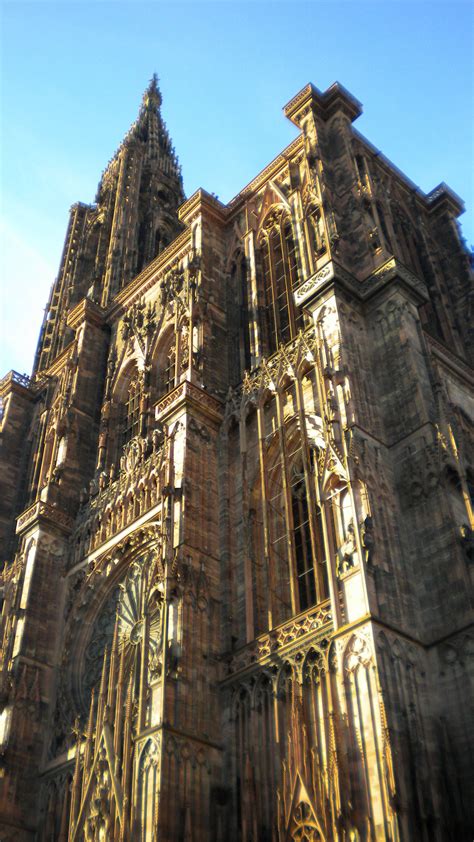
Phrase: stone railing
(187, 392)
(112, 506)
(287, 359)
(280, 640)
(44, 511)
(14, 377)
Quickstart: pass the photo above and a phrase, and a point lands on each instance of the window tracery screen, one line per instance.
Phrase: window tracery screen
(167, 374)
(131, 426)
(279, 268)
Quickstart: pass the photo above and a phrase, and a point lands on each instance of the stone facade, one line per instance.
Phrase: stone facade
(236, 508)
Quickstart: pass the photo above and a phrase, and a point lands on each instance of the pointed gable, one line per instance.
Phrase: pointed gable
(272, 196)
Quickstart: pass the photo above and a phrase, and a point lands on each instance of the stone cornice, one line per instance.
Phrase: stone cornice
(269, 172)
(41, 512)
(325, 277)
(146, 279)
(390, 272)
(315, 284)
(55, 368)
(441, 196)
(461, 368)
(202, 202)
(85, 311)
(187, 393)
(15, 382)
(336, 98)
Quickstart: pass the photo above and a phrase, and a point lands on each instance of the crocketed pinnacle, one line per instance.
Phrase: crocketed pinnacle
(152, 96)
(149, 128)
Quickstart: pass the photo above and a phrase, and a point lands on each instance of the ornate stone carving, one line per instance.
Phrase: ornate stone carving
(313, 285)
(347, 551)
(289, 636)
(358, 653)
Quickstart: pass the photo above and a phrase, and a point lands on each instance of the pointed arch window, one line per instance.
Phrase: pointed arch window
(131, 426)
(383, 225)
(279, 267)
(305, 577)
(362, 172)
(291, 256)
(146, 807)
(297, 578)
(167, 375)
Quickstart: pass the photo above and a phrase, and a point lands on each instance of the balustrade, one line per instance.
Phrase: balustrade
(266, 647)
(112, 506)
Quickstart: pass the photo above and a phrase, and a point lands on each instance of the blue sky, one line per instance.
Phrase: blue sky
(73, 75)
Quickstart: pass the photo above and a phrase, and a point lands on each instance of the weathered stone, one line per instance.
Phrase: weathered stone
(235, 508)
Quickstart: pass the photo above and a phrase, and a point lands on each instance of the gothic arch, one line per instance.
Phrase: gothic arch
(163, 362)
(93, 614)
(303, 825)
(239, 304)
(131, 366)
(242, 697)
(277, 261)
(123, 412)
(285, 694)
(146, 790)
(264, 685)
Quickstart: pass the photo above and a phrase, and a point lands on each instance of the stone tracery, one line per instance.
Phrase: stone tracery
(249, 590)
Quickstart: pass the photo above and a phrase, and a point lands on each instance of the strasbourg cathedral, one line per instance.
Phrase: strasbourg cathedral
(235, 508)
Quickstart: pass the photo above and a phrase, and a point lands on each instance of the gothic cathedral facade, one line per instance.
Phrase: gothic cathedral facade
(236, 508)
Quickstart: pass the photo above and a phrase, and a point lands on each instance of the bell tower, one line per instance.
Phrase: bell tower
(132, 220)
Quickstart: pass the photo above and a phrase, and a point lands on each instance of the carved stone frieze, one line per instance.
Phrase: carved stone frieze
(313, 285)
(186, 391)
(44, 511)
(139, 323)
(287, 638)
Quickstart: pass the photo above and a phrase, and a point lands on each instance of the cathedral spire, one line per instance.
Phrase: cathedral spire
(152, 96)
(151, 130)
(134, 217)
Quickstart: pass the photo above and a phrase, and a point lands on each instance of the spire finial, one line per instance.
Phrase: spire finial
(152, 95)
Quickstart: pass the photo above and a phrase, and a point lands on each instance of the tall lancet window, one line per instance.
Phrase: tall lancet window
(305, 576)
(280, 293)
(241, 325)
(291, 257)
(131, 426)
(279, 267)
(268, 287)
(147, 791)
(167, 374)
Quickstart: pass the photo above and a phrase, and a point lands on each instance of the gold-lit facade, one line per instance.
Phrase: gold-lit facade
(236, 508)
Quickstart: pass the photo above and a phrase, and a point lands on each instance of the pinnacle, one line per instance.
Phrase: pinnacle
(152, 95)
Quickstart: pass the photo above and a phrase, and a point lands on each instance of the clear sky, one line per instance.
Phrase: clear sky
(73, 75)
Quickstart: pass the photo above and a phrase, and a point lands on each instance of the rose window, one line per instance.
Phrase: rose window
(135, 606)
